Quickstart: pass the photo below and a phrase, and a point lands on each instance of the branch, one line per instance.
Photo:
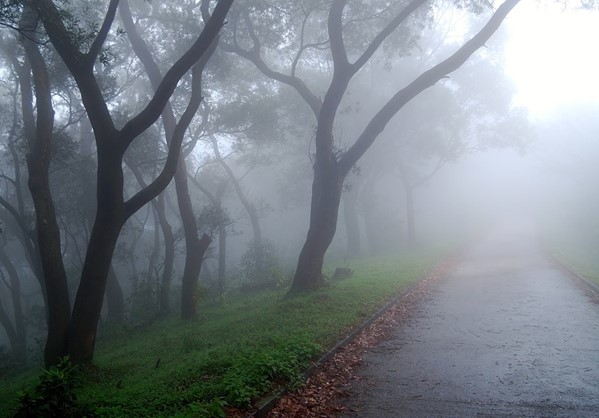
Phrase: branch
(198, 50)
(296, 83)
(384, 34)
(139, 45)
(204, 190)
(301, 48)
(205, 10)
(59, 35)
(157, 186)
(335, 26)
(96, 45)
(17, 216)
(254, 57)
(421, 83)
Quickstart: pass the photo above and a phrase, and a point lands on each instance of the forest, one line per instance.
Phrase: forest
(198, 198)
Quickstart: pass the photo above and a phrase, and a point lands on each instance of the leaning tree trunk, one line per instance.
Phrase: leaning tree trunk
(326, 197)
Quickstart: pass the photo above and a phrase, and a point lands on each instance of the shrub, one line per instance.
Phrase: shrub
(53, 396)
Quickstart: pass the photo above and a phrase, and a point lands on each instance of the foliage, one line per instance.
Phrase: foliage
(54, 395)
(212, 217)
(10, 11)
(143, 302)
(260, 264)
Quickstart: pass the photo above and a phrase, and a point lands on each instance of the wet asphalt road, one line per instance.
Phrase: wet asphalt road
(505, 334)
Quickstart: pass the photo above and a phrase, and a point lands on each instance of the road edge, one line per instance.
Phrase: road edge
(440, 270)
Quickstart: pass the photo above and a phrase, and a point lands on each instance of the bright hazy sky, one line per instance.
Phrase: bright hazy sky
(552, 56)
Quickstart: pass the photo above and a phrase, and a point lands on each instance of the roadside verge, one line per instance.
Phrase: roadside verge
(333, 371)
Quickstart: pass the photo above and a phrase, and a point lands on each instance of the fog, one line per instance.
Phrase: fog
(510, 137)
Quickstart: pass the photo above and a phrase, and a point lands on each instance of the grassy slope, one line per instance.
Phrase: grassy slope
(232, 354)
(576, 254)
(579, 261)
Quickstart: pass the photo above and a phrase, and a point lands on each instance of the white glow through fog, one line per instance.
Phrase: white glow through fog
(553, 56)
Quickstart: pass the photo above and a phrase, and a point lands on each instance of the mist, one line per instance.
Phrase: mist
(165, 167)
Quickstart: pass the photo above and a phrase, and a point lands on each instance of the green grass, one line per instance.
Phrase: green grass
(580, 260)
(232, 355)
(579, 254)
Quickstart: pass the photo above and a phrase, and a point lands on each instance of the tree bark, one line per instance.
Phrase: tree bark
(104, 235)
(115, 301)
(189, 283)
(326, 197)
(410, 217)
(18, 338)
(352, 224)
(25, 235)
(169, 257)
(38, 164)
(9, 329)
(222, 241)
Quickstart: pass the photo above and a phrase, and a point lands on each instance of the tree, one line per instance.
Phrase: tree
(74, 333)
(16, 330)
(196, 246)
(332, 165)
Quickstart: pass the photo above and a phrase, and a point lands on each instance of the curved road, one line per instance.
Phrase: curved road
(505, 334)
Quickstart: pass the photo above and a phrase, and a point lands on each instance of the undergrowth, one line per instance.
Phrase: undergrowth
(232, 355)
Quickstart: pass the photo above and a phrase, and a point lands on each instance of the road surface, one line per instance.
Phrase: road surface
(505, 334)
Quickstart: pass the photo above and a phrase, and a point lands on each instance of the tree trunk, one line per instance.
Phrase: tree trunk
(326, 197)
(222, 260)
(90, 294)
(222, 240)
(410, 217)
(194, 245)
(19, 343)
(115, 301)
(193, 265)
(111, 144)
(352, 224)
(10, 330)
(250, 209)
(48, 233)
(169, 257)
